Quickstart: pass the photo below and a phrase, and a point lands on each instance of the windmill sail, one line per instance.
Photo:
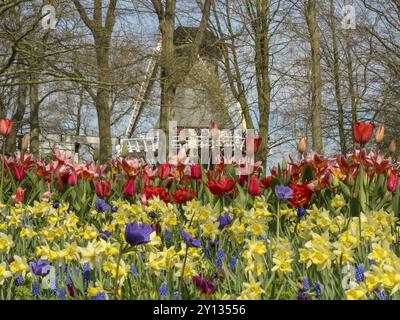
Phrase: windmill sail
(144, 91)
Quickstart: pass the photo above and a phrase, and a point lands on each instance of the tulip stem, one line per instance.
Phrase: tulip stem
(278, 222)
(2, 170)
(121, 252)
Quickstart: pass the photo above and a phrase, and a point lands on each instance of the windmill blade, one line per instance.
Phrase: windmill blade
(236, 114)
(144, 91)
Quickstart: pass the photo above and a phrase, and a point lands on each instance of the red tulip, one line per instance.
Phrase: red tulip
(149, 192)
(301, 195)
(5, 126)
(205, 286)
(73, 178)
(254, 188)
(103, 189)
(243, 178)
(362, 132)
(129, 188)
(19, 195)
(195, 171)
(265, 182)
(183, 195)
(224, 185)
(163, 171)
(19, 173)
(392, 182)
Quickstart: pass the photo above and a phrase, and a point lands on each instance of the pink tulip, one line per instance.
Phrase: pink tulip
(103, 189)
(19, 195)
(19, 173)
(129, 188)
(392, 182)
(73, 178)
(5, 127)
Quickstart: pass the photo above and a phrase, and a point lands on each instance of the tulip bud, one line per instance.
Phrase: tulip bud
(124, 151)
(335, 181)
(350, 180)
(392, 146)
(284, 165)
(302, 145)
(5, 127)
(25, 143)
(380, 133)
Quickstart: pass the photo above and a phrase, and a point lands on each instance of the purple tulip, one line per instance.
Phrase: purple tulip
(283, 193)
(224, 220)
(192, 242)
(136, 234)
(102, 206)
(40, 268)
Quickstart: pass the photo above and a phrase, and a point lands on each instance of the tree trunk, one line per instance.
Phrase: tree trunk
(34, 118)
(17, 118)
(102, 40)
(335, 70)
(102, 100)
(262, 75)
(316, 82)
(168, 70)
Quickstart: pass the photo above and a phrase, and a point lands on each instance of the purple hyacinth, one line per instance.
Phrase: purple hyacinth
(381, 294)
(102, 205)
(164, 290)
(176, 295)
(360, 273)
(301, 212)
(224, 220)
(207, 253)
(36, 289)
(220, 257)
(136, 234)
(317, 289)
(192, 242)
(19, 281)
(167, 235)
(306, 284)
(283, 192)
(233, 262)
(40, 268)
(301, 295)
(62, 295)
(99, 296)
(134, 270)
(106, 233)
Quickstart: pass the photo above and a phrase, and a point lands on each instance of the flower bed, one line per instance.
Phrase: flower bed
(313, 229)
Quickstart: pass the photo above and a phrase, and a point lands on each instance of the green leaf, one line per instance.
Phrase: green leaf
(308, 174)
(345, 189)
(396, 200)
(355, 207)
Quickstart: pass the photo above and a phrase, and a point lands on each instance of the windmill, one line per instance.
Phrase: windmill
(199, 100)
